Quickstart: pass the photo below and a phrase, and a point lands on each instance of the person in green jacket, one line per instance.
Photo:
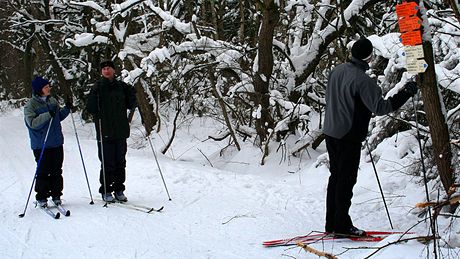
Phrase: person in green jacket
(108, 102)
(41, 110)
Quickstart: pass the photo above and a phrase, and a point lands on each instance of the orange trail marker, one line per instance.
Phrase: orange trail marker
(411, 38)
(406, 9)
(410, 23)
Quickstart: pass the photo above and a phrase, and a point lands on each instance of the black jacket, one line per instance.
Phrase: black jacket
(351, 98)
(109, 101)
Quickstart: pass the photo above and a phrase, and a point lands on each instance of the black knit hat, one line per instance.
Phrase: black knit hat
(362, 49)
(107, 63)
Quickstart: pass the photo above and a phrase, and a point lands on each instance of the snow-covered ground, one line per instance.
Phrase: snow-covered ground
(223, 205)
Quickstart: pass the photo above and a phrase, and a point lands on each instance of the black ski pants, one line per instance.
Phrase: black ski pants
(344, 159)
(114, 165)
(49, 181)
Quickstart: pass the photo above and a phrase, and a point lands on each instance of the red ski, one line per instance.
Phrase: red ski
(314, 237)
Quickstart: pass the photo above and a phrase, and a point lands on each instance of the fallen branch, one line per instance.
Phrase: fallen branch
(316, 252)
(205, 157)
(439, 204)
(419, 238)
(220, 137)
(237, 216)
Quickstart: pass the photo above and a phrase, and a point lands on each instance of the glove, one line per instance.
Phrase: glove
(52, 113)
(411, 88)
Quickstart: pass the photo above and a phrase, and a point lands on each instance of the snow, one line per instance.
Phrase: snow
(86, 39)
(92, 5)
(223, 205)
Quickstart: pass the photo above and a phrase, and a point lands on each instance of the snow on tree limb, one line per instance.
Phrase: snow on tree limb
(93, 5)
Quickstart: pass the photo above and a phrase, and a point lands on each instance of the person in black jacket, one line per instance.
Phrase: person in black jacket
(108, 101)
(351, 98)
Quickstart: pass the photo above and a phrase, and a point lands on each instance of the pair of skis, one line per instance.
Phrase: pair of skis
(315, 237)
(127, 205)
(56, 215)
(133, 206)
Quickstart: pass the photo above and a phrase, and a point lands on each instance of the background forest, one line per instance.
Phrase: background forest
(259, 68)
(245, 72)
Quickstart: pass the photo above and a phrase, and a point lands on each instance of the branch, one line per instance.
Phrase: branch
(316, 252)
(419, 238)
(439, 204)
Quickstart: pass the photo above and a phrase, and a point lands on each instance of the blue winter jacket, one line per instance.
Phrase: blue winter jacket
(37, 119)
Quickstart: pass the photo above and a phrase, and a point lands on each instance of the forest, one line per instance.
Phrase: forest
(259, 68)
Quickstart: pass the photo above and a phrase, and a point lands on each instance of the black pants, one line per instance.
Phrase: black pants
(114, 165)
(344, 159)
(49, 181)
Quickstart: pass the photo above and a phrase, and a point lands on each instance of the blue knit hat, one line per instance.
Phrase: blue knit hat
(38, 83)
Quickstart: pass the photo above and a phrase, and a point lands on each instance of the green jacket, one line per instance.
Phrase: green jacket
(37, 119)
(109, 101)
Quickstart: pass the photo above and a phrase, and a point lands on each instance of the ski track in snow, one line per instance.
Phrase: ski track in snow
(214, 213)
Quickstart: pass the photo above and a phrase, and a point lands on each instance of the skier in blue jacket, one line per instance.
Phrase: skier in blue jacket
(37, 115)
(351, 98)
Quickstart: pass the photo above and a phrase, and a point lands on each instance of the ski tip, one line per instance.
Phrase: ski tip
(155, 210)
(58, 215)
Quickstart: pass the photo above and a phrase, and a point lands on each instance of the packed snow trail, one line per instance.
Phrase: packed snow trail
(214, 213)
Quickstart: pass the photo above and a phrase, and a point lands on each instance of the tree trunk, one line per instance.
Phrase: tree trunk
(149, 119)
(435, 117)
(242, 29)
(213, 11)
(64, 85)
(455, 5)
(28, 67)
(223, 106)
(270, 18)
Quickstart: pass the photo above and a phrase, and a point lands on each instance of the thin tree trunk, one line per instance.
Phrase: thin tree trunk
(28, 67)
(173, 133)
(64, 85)
(242, 29)
(270, 18)
(455, 5)
(222, 104)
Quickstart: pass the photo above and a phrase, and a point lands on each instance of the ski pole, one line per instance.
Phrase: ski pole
(432, 223)
(158, 165)
(81, 157)
(101, 147)
(102, 159)
(380, 186)
(156, 159)
(36, 170)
